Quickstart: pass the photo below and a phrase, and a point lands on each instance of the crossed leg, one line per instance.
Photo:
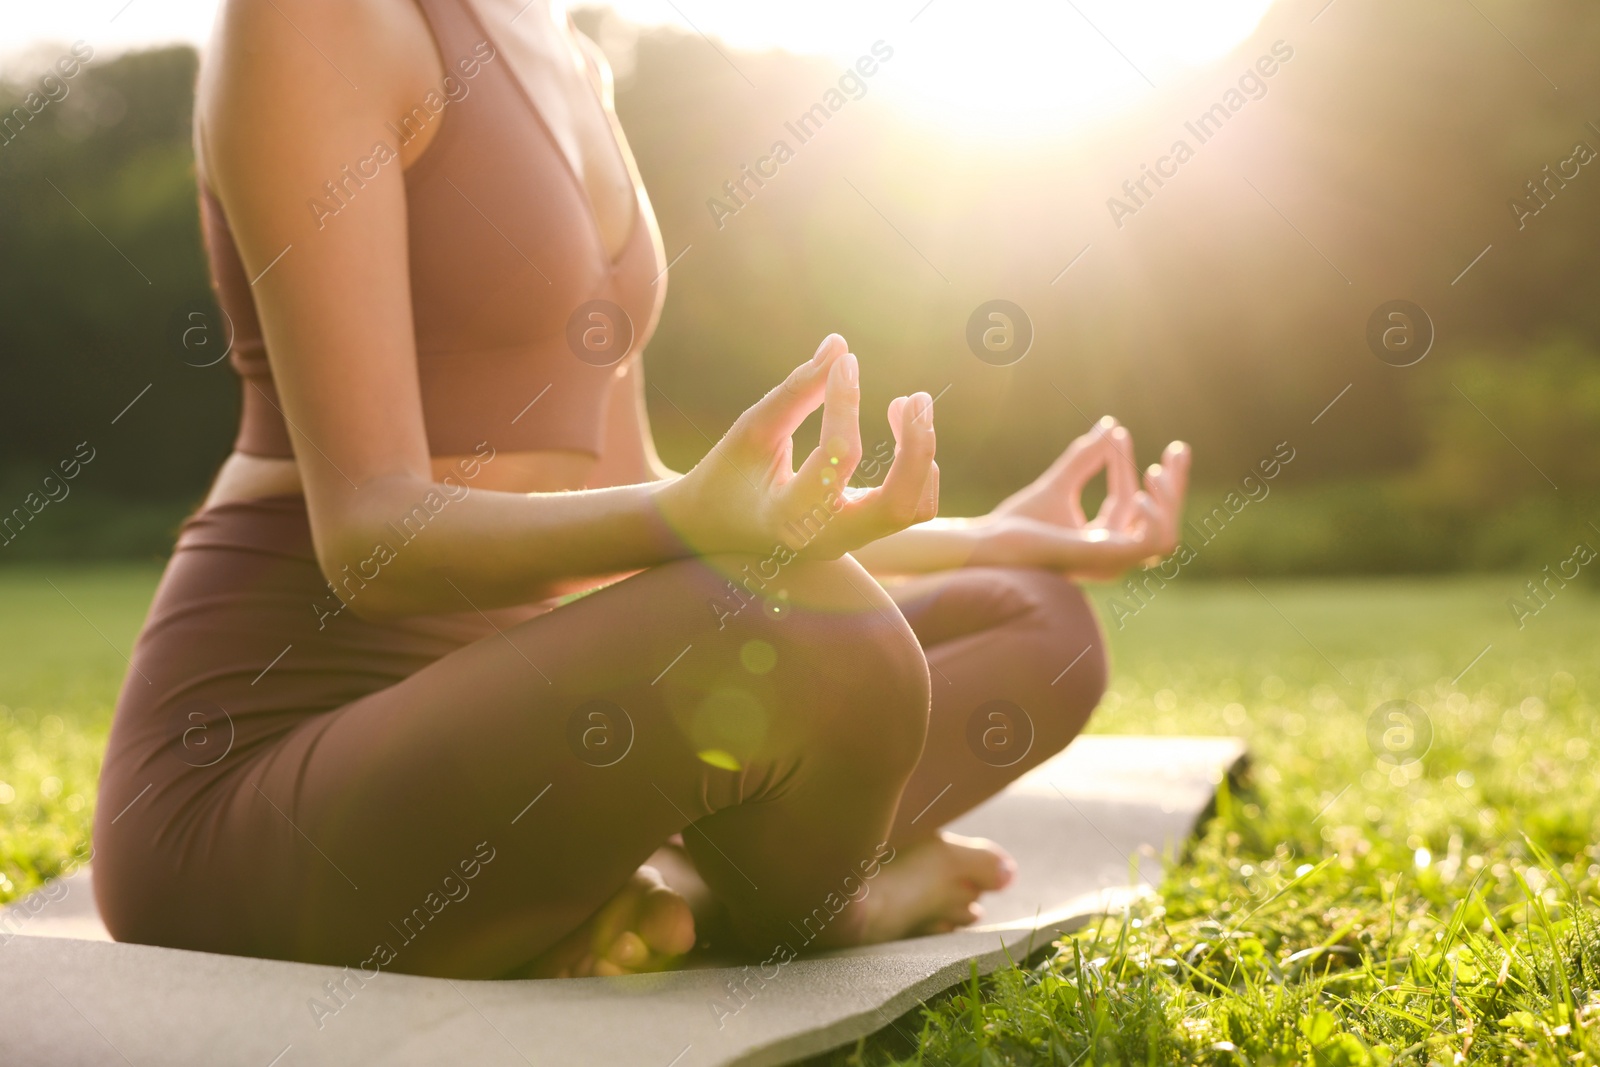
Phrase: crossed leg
(778, 743)
(1018, 663)
(468, 819)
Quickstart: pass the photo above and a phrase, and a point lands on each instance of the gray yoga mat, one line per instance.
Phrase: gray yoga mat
(1089, 828)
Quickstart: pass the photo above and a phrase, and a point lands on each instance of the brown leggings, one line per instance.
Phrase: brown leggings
(450, 795)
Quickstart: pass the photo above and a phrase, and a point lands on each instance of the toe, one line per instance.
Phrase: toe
(621, 912)
(983, 863)
(628, 951)
(958, 913)
(666, 923)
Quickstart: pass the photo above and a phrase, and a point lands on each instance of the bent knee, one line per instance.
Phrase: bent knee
(850, 665)
(874, 676)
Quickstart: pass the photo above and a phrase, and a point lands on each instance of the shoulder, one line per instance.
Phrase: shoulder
(365, 33)
(273, 66)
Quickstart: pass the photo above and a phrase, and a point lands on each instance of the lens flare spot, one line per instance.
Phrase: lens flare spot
(729, 721)
(718, 758)
(758, 656)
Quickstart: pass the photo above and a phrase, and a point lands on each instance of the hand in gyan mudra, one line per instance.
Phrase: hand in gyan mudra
(1044, 523)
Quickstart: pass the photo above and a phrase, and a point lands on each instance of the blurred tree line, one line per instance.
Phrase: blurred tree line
(1230, 311)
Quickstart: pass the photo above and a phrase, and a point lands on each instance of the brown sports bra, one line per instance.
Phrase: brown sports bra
(514, 298)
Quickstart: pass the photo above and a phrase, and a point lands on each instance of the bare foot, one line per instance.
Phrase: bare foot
(672, 861)
(643, 928)
(932, 887)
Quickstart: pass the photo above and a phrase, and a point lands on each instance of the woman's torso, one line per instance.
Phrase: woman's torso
(524, 208)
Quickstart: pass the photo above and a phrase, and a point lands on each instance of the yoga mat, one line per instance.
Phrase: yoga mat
(1090, 829)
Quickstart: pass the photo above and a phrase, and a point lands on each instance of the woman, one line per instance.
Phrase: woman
(370, 722)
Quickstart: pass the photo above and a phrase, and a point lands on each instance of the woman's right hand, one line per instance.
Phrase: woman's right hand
(746, 496)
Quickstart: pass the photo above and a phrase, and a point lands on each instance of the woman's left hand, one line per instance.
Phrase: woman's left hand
(1044, 524)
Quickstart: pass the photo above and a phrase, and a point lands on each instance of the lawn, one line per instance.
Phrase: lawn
(1343, 909)
(1365, 899)
(63, 634)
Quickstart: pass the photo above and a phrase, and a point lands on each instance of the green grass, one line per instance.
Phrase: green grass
(59, 674)
(1341, 910)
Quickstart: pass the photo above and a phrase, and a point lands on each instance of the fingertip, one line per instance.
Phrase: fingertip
(830, 344)
(848, 369)
(922, 408)
(908, 413)
(1178, 465)
(1107, 422)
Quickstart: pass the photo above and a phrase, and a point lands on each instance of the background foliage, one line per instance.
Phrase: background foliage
(1393, 140)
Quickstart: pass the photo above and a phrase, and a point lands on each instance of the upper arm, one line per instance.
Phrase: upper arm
(294, 92)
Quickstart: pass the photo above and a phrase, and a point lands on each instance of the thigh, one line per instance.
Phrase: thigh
(464, 819)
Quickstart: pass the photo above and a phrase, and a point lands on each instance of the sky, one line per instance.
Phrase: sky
(986, 63)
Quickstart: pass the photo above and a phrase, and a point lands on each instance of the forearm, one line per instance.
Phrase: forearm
(393, 541)
(1002, 541)
(936, 545)
(414, 547)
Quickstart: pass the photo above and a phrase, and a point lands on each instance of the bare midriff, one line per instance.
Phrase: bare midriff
(247, 477)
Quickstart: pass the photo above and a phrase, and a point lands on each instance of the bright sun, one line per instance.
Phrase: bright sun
(1004, 66)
